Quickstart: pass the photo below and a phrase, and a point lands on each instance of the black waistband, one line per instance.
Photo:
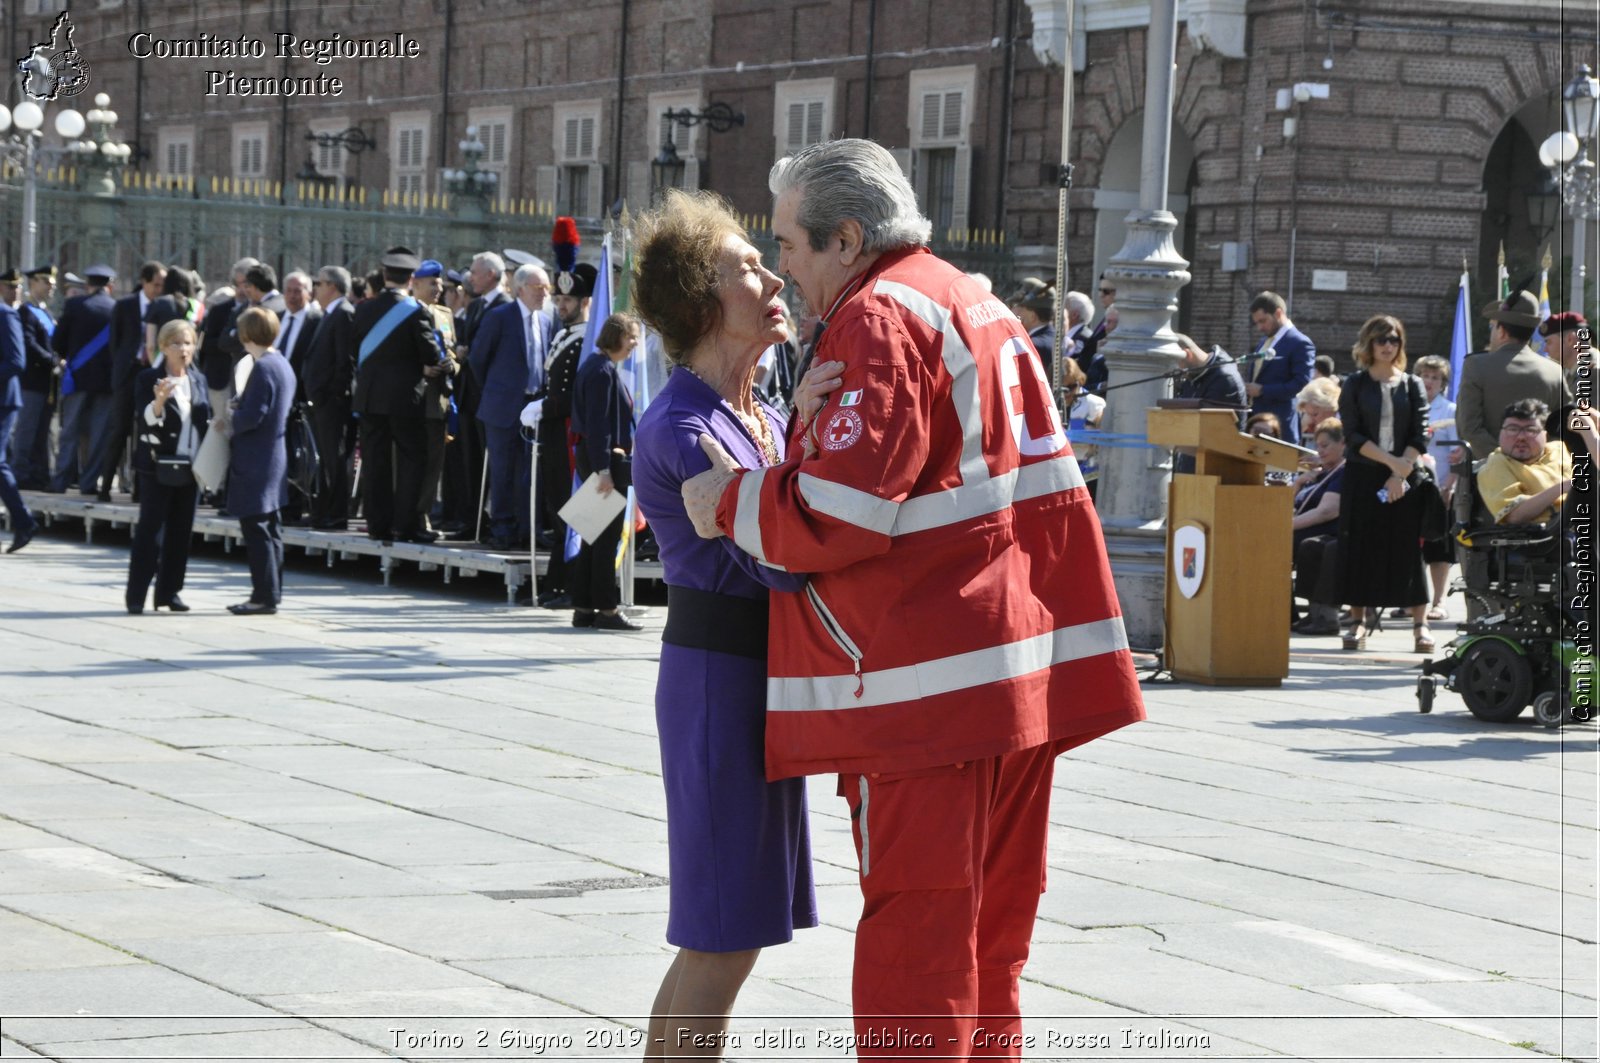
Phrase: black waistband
(723, 623)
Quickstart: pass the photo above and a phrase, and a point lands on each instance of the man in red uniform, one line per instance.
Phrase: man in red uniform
(960, 627)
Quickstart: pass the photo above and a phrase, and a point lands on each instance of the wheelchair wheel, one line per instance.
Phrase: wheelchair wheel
(1425, 688)
(1547, 709)
(1495, 681)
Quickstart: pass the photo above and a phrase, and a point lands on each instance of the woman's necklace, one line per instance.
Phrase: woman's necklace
(755, 424)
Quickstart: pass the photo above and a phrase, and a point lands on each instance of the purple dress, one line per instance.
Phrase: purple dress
(739, 847)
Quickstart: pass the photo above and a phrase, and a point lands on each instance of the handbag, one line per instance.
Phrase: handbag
(174, 472)
(211, 460)
(1435, 523)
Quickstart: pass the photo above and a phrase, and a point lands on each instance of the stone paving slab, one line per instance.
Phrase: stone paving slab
(294, 822)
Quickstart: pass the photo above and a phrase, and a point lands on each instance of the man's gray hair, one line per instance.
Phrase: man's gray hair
(244, 265)
(337, 276)
(305, 278)
(1080, 305)
(525, 274)
(490, 259)
(844, 180)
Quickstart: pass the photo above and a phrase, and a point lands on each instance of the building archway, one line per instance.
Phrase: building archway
(1118, 194)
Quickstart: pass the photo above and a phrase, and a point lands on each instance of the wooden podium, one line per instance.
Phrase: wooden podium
(1229, 551)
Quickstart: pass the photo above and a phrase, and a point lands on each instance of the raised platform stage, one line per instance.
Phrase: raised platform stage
(450, 558)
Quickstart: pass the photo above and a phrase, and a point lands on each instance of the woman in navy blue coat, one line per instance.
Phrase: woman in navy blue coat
(171, 410)
(260, 459)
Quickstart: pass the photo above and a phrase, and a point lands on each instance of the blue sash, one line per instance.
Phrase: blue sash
(44, 319)
(85, 353)
(386, 324)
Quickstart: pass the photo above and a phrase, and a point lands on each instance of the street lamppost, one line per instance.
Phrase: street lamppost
(667, 169)
(1579, 189)
(100, 154)
(23, 146)
(471, 181)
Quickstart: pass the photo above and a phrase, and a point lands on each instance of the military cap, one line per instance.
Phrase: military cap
(579, 283)
(1035, 294)
(71, 278)
(1519, 308)
(1562, 322)
(101, 271)
(400, 258)
(45, 270)
(429, 268)
(11, 276)
(523, 258)
(454, 277)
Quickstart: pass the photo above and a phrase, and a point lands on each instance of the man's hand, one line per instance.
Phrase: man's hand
(813, 390)
(702, 493)
(1253, 390)
(604, 484)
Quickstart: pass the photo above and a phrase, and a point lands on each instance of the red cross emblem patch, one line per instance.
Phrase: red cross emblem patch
(842, 430)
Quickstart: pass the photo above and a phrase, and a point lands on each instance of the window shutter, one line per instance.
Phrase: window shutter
(597, 182)
(570, 147)
(930, 115)
(586, 139)
(814, 131)
(950, 128)
(495, 143)
(691, 174)
(961, 198)
(795, 138)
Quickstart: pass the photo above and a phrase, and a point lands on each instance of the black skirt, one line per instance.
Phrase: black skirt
(1382, 541)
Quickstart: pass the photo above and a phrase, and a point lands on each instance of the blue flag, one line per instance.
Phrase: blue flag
(1460, 338)
(599, 303)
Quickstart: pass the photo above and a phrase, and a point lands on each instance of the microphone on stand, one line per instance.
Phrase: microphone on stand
(1265, 354)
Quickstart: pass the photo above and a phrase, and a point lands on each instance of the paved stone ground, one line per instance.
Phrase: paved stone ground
(407, 810)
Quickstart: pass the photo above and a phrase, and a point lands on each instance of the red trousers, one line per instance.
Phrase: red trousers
(952, 866)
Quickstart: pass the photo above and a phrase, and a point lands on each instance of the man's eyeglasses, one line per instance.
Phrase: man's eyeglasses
(1108, 291)
(1386, 341)
(1521, 429)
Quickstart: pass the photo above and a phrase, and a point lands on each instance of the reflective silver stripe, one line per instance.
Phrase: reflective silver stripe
(866, 844)
(959, 363)
(962, 671)
(965, 503)
(831, 625)
(851, 505)
(747, 520)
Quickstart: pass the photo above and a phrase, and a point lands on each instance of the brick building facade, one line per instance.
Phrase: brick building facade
(1417, 159)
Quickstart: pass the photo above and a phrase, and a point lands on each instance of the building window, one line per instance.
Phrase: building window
(940, 124)
(578, 176)
(175, 152)
(803, 114)
(250, 151)
(408, 154)
(43, 7)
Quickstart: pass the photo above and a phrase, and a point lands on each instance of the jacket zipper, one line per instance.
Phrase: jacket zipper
(837, 633)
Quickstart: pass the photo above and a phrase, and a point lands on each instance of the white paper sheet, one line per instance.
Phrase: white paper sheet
(589, 512)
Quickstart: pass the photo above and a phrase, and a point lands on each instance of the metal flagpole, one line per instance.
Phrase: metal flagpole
(1064, 183)
(483, 490)
(533, 519)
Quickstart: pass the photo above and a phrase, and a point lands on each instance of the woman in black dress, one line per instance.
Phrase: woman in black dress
(1384, 411)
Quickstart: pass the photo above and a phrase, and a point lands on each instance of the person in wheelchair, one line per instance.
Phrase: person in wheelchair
(1526, 479)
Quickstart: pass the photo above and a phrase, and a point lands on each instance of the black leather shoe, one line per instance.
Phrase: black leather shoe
(23, 537)
(583, 618)
(330, 525)
(555, 600)
(423, 537)
(135, 608)
(252, 609)
(615, 622)
(176, 605)
(103, 496)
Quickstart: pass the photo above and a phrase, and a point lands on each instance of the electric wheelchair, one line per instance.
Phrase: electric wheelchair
(1516, 647)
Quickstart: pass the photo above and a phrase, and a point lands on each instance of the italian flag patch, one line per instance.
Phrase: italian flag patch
(850, 398)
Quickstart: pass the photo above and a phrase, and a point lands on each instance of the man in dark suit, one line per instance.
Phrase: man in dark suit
(463, 477)
(216, 360)
(82, 344)
(330, 368)
(13, 360)
(259, 288)
(1507, 372)
(297, 322)
(30, 453)
(128, 360)
(396, 345)
(1272, 383)
(507, 362)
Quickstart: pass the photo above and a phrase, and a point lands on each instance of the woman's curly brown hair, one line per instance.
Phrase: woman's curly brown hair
(675, 272)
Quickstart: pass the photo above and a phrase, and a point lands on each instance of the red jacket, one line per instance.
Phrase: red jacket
(960, 604)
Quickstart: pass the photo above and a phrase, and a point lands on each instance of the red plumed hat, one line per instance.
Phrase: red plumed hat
(565, 241)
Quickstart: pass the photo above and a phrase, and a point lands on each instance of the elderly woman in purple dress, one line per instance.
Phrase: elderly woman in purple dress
(739, 846)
